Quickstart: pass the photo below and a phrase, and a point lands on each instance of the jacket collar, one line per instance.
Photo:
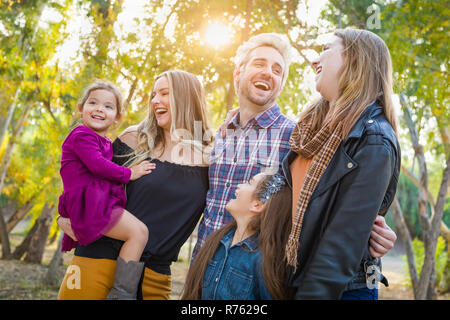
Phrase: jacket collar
(371, 111)
(357, 131)
(264, 119)
(251, 242)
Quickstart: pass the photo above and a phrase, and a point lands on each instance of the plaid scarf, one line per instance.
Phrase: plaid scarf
(322, 145)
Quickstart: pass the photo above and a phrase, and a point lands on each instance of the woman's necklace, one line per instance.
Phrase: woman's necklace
(238, 238)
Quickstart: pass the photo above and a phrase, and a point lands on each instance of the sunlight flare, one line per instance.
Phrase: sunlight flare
(218, 35)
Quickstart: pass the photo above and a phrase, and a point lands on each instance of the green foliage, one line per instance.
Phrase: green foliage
(407, 193)
(416, 33)
(446, 216)
(419, 256)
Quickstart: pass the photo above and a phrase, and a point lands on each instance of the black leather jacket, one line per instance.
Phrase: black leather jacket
(359, 183)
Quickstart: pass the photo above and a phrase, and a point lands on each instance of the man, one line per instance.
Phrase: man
(258, 135)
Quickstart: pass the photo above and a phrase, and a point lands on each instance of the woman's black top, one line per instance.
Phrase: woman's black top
(169, 200)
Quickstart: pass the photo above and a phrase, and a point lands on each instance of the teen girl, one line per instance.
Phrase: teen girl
(343, 169)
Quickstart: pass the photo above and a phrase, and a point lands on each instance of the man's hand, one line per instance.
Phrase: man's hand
(66, 226)
(382, 238)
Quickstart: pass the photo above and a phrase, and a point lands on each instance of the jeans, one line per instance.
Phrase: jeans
(360, 294)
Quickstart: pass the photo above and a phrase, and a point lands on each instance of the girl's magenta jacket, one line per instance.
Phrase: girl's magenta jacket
(93, 196)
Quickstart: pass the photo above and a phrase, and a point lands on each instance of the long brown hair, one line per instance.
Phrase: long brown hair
(366, 77)
(273, 226)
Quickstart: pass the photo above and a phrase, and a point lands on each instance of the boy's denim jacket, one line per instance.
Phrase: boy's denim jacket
(235, 273)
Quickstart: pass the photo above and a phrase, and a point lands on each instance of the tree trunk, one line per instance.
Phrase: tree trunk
(432, 289)
(9, 115)
(248, 17)
(423, 172)
(19, 214)
(7, 156)
(430, 226)
(5, 124)
(23, 247)
(6, 160)
(429, 267)
(445, 231)
(6, 249)
(130, 94)
(405, 236)
(53, 278)
(191, 237)
(35, 251)
(229, 98)
(445, 134)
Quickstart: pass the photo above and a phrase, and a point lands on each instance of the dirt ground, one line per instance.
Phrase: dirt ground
(394, 269)
(23, 281)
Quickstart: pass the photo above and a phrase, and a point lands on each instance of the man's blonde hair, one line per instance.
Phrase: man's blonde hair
(275, 40)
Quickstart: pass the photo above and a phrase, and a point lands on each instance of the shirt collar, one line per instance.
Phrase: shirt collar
(251, 242)
(264, 119)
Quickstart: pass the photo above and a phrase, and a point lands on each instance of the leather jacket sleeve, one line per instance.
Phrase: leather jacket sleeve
(345, 237)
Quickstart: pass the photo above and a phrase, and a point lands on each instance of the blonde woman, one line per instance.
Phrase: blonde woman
(343, 169)
(169, 201)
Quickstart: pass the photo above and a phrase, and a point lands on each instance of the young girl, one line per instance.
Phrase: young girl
(93, 197)
(244, 259)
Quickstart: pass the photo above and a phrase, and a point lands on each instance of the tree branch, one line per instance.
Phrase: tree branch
(423, 173)
(402, 228)
(416, 181)
(430, 245)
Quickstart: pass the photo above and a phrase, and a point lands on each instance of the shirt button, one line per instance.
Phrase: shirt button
(370, 121)
(235, 160)
(349, 165)
(228, 184)
(217, 279)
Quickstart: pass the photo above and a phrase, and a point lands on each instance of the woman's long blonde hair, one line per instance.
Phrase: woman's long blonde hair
(188, 110)
(366, 77)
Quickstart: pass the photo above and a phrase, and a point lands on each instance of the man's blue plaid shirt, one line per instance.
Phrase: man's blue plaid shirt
(259, 146)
